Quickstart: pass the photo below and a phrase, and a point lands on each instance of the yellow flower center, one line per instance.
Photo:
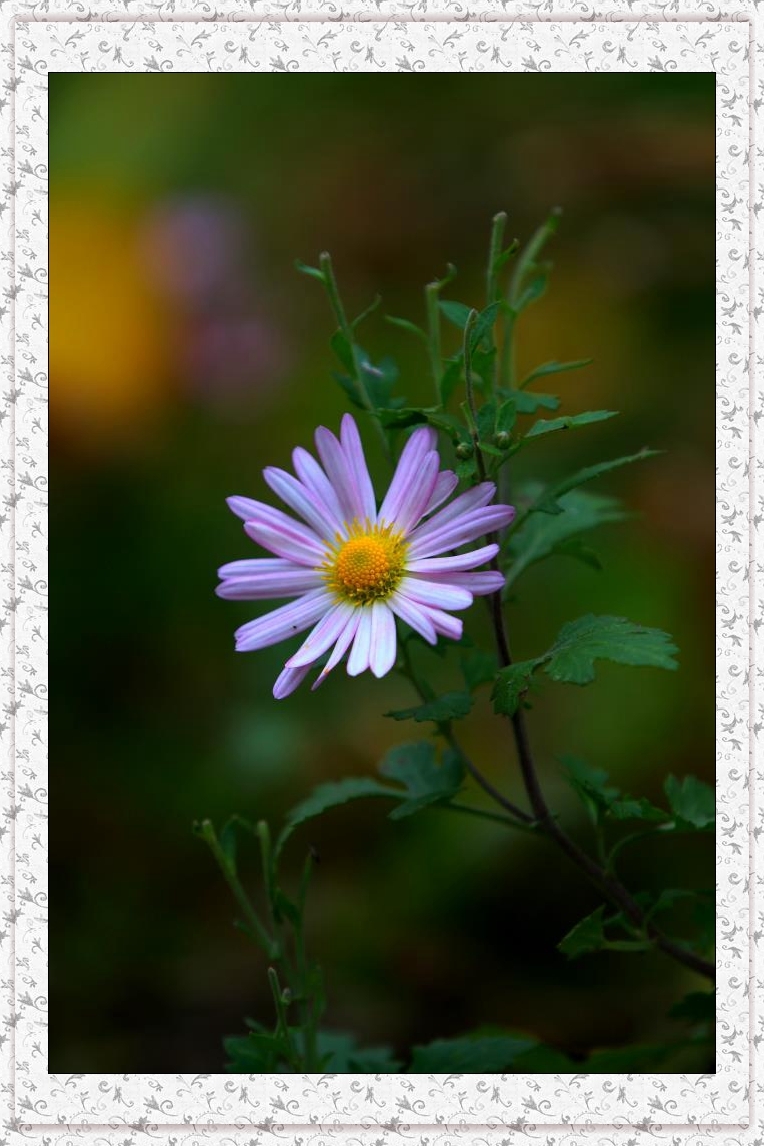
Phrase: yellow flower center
(367, 565)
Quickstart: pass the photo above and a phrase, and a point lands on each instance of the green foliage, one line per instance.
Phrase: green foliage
(339, 1053)
(553, 367)
(582, 642)
(425, 781)
(450, 706)
(511, 685)
(587, 935)
(469, 1055)
(478, 667)
(528, 403)
(569, 422)
(692, 802)
(330, 795)
(545, 535)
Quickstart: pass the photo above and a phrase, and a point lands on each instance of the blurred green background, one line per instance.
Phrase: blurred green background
(186, 353)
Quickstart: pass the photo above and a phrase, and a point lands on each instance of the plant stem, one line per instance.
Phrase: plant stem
(269, 945)
(492, 291)
(332, 290)
(431, 292)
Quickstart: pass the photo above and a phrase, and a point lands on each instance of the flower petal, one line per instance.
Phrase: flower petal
(339, 650)
(288, 681)
(351, 444)
(419, 493)
(460, 561)
(254, 565)
(444, 487)
(478, 523)
(326, 632)
(434, 593)
(244, 507)
(286, 621)
(302, 500)
(419, 445)
(479, 584)
(293, 541)
(446, 624)
(471, 499)
(383, 639)
(415, 616)
(263, 585)
(358, 661)
(339, 473)
(311, 475)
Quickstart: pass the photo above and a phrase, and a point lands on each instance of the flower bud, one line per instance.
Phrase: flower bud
(503, 440)
(464, 451)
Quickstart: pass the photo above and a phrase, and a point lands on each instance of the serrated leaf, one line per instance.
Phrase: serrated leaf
(568, 422)
(588, 935)
(691, 800)
(511, 685)
(506, 416)
(450, 706)
(331, 795)
(486, 420)
(467, 1055)
(542, 536)
(483, 327)
(548, 500)
(592, 783)
(416, 767)
(632, 808)
(590, 638)
(553, 367)
(529, 403)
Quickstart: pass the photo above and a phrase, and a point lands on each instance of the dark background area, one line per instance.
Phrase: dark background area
(186, 354)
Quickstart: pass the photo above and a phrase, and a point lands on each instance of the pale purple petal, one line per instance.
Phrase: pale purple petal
(263, 585)
(288, 681)
(471, 499)
(244, 507)
(339, 473)
(302, 500)
(419, 445)
(446, 624)
(383, 645)
(418, 494)
(311, 475)
(351, 444)
(453, 564)
(358, 661)
(252, 565)
(416, 616)
(478, 523)
(434, 593)
(444, 487)
(479, 584)
(286, 621)
(294, 542)
(339, 650)
(326, 632)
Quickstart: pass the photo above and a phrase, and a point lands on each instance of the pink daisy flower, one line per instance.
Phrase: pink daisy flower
(354, 568)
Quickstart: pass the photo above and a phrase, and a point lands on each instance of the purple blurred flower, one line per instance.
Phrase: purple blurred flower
(353, 568)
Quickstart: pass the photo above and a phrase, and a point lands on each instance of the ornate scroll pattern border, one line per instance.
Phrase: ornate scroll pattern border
(339, 1108)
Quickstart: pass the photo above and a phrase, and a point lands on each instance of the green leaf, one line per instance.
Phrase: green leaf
(455, 312)
(313, 272)
(541, 535)
(544, 1060)
(506, 416)
(486, 421)
(331, 795)
(450, 706)
(553, 368)
(482, 329)
(528, 403)
(404, 324)
(590, 638)
(469, 1055)
(255, 1053)
(627, 1060)
(478, 667)
(365, 313)
(424, 779)
(588, 935)
(589, 782)
(548, 500)
(227, 841)
(532, 292)
(632, 808)
(511, 685)
(373, 1060)
(569, 422)
(697, 1007)
(691, 800)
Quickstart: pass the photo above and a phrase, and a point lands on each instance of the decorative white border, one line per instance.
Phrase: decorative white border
(341, 1108)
